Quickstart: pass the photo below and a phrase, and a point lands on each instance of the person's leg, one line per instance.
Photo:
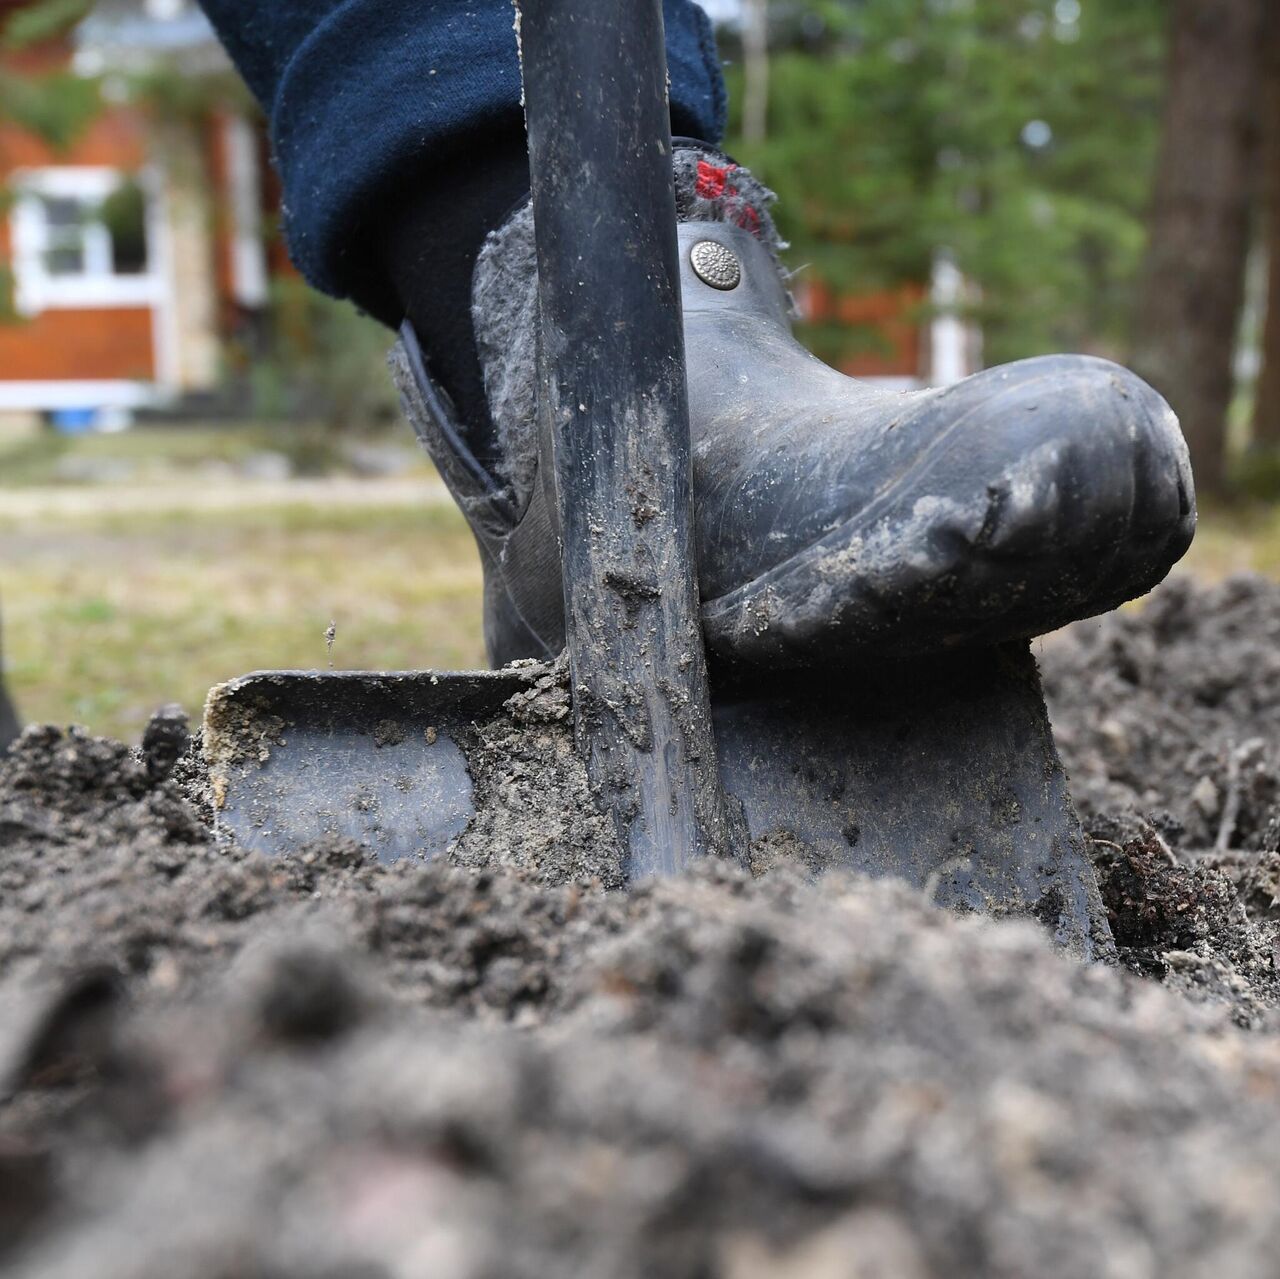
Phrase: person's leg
(833, 518)
(399, 136)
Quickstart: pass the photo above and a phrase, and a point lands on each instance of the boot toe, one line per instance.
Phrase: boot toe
(1028, 496)
(1076, 491)
(1093, 501)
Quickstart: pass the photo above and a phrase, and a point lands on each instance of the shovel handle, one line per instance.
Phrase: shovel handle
(614, 401)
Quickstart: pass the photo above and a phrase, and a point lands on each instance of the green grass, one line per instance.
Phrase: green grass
(108, 617)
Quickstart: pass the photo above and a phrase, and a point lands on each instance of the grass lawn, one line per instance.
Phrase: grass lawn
(160, 453)
(1242, 539)
(109, 614)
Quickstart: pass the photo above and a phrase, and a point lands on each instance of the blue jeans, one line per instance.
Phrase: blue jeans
(365, 96)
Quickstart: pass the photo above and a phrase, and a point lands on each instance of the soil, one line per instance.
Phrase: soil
(535, 815)
(1171, 711)
(218, 1065)
(1168, 720)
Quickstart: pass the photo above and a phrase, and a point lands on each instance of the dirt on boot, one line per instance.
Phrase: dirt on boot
(217, 1064)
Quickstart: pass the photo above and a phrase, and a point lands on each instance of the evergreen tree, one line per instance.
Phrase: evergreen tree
(50, 102)
(1018, 134)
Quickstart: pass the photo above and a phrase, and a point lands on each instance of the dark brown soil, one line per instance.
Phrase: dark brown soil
(1168, 720)
(1170, 712)
(218, 1066)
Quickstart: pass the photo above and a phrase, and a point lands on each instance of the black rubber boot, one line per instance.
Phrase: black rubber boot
(833, 518)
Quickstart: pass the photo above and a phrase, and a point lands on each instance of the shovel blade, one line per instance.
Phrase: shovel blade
(296, 756)
(944, 774)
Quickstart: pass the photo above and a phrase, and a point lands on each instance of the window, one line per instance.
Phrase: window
(81, 237)
(64, 240)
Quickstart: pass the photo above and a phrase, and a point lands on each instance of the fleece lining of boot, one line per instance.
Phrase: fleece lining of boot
(504, 302)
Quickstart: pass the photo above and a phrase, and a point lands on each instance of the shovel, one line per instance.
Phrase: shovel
(944, 774)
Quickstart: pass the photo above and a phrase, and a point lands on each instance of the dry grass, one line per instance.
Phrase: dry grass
(107, 616)
(110, 613)
(163, 454)
(1243, 539)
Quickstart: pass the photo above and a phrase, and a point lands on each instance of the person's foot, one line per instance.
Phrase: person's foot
(833, 518)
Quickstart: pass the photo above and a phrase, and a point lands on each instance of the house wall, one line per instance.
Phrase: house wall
(93, 339)
(884, 341)
(82, 344)
(177, 150)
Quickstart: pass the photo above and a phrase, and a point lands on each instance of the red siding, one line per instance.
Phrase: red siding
(76, 344)
(891, 314)
(115, 139)
(81, 345)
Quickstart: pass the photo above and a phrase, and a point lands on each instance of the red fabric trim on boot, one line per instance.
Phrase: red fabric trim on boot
(711, 179)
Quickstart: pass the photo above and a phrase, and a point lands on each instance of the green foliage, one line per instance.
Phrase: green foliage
(55, 107)
(44, 20)
(326, 363)
(172, 95)
(899, 127)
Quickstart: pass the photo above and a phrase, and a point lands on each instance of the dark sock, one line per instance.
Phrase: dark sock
(432, 242)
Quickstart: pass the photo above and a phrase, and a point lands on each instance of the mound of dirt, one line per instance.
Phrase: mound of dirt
(1172, 711)
(1167, 717)
(216, 1065)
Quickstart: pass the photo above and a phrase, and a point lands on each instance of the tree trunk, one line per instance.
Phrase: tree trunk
(1266, 411)
(1193, 281)
(755, 82)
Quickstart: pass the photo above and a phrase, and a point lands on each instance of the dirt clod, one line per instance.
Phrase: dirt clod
(164, 742)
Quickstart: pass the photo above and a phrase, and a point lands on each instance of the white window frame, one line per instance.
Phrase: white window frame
(35, 289)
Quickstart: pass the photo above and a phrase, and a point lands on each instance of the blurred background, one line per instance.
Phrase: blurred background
(201, 468)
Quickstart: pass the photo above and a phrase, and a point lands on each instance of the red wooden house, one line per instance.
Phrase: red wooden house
(135, 254)
(131, 255)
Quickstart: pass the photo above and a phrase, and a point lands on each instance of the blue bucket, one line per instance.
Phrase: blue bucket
(74, 421)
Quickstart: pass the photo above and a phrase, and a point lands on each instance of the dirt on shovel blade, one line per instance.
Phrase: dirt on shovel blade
(222, 1066)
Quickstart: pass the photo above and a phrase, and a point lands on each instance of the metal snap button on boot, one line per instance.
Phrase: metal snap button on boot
(715, 265)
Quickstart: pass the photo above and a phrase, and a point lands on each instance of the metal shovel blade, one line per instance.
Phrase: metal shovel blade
(296, 756)
(944, 775)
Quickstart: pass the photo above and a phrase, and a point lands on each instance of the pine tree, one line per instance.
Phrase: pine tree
(1019, 134)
